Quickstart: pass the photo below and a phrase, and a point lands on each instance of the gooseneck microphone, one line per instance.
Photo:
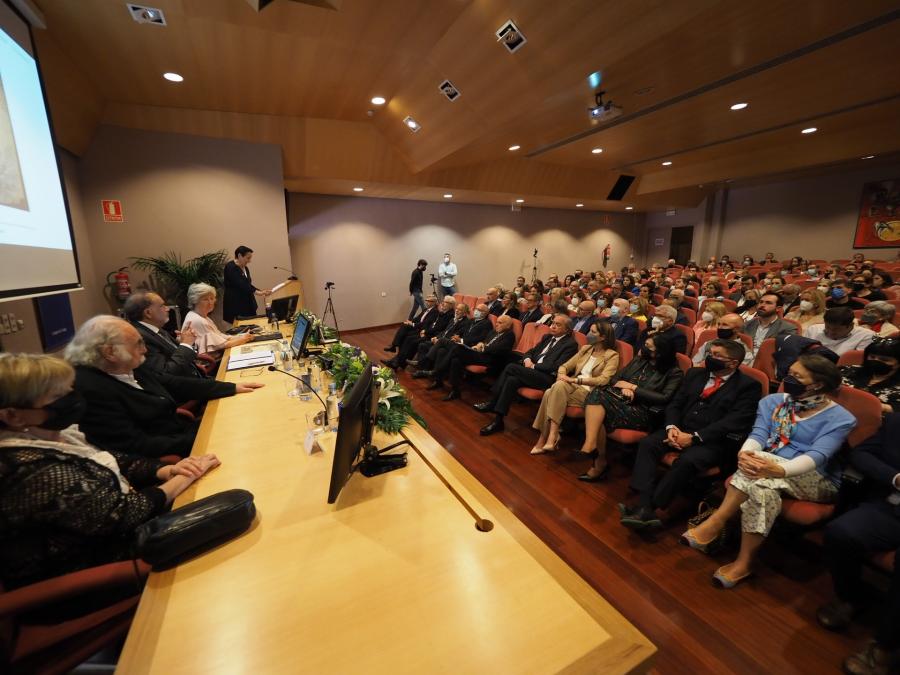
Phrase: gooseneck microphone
(293, 276)
(301, 381)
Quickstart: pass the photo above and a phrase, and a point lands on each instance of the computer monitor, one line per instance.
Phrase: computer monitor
(301, 335)
(356, 423)
(284, 308)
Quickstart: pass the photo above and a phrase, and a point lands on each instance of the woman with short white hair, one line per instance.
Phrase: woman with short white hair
(201, 301)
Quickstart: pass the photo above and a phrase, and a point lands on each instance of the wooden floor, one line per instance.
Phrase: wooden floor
(766, 625)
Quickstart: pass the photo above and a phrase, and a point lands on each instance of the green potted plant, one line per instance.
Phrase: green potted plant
(171, 276)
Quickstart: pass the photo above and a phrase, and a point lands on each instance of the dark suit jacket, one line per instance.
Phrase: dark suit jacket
(730, 410)
(878, 458)
(562, 351)
(165, 356)
(501, 346)
(585, 326)
(121, 417)
(440, 322)
(625, 329)
(776, 328)
(531, 315)
(457, 328)
(512, 312)
(678, 338)
(682, 319)
(425, 319)
(238, 299)
(495, 307)
(476, 331)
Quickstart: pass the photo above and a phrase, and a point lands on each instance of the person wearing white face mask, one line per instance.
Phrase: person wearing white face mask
(625, 328)
(811, 309)
(447, 273)
(663, 324)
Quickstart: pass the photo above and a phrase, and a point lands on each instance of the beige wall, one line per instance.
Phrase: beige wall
(187, 194)
(813, 217)
(370, 246)
(86, 302)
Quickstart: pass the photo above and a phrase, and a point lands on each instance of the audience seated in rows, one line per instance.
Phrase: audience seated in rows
(767, 324)
(879, 373)
(838, 333)
(810, 310)
(729, 328)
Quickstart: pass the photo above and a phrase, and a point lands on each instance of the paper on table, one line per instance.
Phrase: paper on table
(251, 360)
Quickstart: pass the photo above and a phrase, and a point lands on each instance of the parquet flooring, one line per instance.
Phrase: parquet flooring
(767, 625)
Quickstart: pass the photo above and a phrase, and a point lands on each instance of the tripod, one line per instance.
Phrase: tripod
(434, 286)
(534, 267)
(329, 309)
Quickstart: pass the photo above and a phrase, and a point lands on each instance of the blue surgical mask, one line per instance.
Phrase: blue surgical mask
(633, 308)
(614, 310)
(838, 293)
(601, 303)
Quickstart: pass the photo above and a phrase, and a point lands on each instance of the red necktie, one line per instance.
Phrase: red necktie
(713, 388)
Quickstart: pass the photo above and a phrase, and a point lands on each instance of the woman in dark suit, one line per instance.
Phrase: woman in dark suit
(240, 293)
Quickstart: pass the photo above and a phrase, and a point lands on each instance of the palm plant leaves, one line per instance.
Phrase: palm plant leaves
(174, 276)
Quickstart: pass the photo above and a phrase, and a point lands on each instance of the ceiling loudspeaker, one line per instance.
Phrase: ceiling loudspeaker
(620, 188)
(260, 5)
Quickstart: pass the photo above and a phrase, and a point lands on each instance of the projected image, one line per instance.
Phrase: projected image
(12, 188)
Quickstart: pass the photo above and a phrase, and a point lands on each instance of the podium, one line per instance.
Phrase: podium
(286, 289)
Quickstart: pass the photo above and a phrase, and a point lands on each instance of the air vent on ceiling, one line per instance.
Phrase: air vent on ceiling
(143, 14)
(510, 36)
(620, 188)
(448, 90)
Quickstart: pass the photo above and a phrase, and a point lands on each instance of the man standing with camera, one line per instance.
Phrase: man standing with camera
(415, 287)
(447, 272)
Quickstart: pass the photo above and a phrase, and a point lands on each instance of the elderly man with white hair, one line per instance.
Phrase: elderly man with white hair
(129, 408)
(878, 316)
(663, 323)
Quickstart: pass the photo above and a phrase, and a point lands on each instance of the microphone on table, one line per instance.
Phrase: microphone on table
(293, 276)
(302, 381)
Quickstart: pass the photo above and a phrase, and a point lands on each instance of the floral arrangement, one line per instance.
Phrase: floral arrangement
(394, 405)
(318, 328)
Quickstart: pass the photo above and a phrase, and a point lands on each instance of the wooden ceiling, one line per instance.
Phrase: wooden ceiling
(302, 76)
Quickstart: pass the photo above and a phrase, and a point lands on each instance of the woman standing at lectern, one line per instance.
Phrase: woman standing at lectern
(239, 292)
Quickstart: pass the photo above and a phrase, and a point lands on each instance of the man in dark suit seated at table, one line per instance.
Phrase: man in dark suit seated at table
(148, 313)
(537, 370)
(492, 352)
(411, 342)
(421, 321)
(870, 528)
(663, 323)
(438, 356)
(706, 422)
(129, 408)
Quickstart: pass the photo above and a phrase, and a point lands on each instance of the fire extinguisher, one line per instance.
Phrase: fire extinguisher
(120, 283)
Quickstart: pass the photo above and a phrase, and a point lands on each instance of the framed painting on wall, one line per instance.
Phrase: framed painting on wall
(878, 225)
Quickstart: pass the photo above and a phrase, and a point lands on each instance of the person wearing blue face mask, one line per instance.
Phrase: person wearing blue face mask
(792, 451)
(624, 327)
(842, 296)
(67, 504)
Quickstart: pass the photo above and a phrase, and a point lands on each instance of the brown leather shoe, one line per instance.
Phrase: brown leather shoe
(873, 660)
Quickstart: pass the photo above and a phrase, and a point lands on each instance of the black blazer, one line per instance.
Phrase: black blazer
(878, 458)
(457, 328)
(238, 299)
(425, 319)
(531, 315)
(439, 324)
(495, 307)
(477, 331)
(730, 410)
(585, 326)
(498, 346)
(415, 281)
(679, 339)
(165, 356)
(562, 351)
(121, 417)
(512, 312)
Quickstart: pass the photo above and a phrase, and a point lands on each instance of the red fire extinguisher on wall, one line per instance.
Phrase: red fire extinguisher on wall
(120, 284)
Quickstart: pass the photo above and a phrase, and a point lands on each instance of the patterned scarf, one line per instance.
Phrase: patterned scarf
(784, 419)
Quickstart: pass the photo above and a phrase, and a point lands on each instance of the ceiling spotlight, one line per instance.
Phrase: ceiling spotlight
(596, 151)
(448, 196)
(668, 162)
(411, 123)
(579, 205)
(513, 148)
(809, 130)
(357, 189)
(868, 157)
(173, 77)
(739, 106)
(629, 208)
(378, 100)
(520, 201)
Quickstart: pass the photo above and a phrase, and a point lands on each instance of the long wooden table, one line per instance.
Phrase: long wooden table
(393, 578)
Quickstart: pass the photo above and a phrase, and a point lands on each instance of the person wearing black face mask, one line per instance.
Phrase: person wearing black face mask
(415, 288)
(713, 404)
(880, 373)
(730, 328)
(792, 451)
(75, 506)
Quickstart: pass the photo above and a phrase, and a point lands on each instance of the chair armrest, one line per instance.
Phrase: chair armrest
(73, 584)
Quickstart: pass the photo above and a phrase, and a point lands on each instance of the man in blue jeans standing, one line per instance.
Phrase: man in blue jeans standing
(447, 272)
(415, 287)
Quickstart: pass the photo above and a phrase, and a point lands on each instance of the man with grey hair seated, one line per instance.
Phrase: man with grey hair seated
(129, 408)
(148, 313)
(663, 323)
(878, 316)
(730, 327)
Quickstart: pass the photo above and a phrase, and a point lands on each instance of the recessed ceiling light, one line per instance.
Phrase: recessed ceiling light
(579, 205)
(411, 123)
(173, 77)
(513, 148)
(597, 151)
(378, 100)
(357, 189)
(739, 106)
(668, 162)
(448, 196)
(868, 157)
(520, 201)
(809, 130)
(629, 208)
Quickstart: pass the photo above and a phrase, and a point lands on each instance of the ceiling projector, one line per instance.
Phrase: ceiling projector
(603, 112)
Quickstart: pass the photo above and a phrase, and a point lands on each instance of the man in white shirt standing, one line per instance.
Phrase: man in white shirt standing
(838, 332)
(447, 273)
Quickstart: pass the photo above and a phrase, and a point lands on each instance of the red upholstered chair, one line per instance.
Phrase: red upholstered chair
(481, 300)
(580, 338)
(689, 313)
(759, 376)
(657, 299)
(884, 561)
(471, 301)
(56, 648)
(642, 325)
(705, 336)
(866, 408)
(852, 358)
(730, 305)
(493, 319)
(458, 297)
(684, 362)
(691, 303)
(626, 353)
(689, 334)
(765, 359)
(798, 325)
(207, 364)
(517, 329)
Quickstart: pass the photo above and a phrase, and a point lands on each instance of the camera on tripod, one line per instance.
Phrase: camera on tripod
(329, 284)
(433, 279)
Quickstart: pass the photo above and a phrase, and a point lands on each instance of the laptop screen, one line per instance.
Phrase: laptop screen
(301, 332)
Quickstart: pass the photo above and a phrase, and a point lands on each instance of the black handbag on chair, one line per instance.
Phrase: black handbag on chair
(176, 536)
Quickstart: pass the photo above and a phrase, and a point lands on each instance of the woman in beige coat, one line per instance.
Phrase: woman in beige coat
(593, 366)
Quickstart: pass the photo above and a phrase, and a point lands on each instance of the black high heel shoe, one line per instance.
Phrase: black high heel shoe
(588, 478)
(581, 453)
